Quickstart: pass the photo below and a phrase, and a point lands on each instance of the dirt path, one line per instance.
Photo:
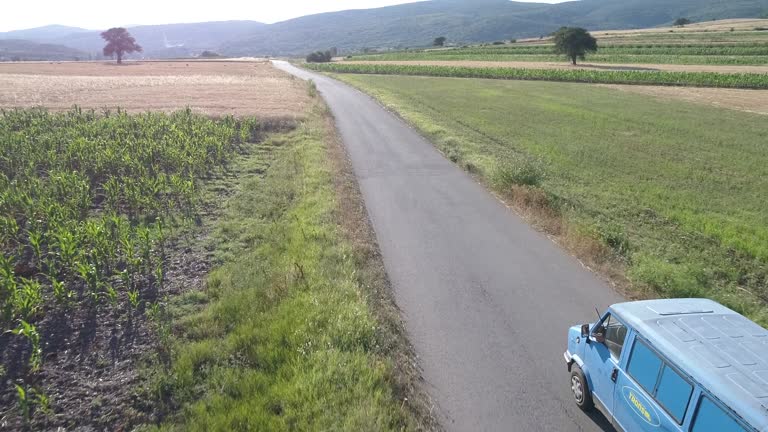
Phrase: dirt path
(564, 65)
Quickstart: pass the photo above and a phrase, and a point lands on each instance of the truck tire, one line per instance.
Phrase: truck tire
(580, 389)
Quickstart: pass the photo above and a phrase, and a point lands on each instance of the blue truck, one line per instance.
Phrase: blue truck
(688, 365)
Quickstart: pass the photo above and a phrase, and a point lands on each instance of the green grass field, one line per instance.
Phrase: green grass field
(675, 189)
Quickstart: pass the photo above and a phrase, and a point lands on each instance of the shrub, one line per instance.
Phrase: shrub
(320, 57)
(499, 43)
(519, 171)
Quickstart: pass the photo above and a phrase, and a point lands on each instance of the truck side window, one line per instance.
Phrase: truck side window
(710, 417)
(615, 333)
(644, 366)
(674, 393)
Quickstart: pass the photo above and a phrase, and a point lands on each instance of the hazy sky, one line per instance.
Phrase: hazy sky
(97, 14)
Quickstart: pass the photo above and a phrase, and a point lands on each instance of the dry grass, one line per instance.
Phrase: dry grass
(754, 101)
(215, 88)
(567, 66)
(534, 205)
(738, 24)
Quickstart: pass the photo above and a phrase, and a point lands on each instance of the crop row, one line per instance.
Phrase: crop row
(694, 79)
(595, 58)
(690, 49)
(87, 201)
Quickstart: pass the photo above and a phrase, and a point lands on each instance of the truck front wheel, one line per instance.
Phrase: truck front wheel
(580, 389)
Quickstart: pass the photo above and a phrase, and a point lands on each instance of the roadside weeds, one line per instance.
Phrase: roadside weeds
(296, 329)
(357, 229)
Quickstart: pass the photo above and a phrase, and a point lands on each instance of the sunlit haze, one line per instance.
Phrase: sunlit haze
(95, 14)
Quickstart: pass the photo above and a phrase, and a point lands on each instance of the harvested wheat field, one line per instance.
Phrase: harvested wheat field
(567, 66)
(737, 24)
(754, 101)
(214, 88)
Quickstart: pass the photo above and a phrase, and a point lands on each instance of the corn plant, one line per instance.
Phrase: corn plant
(29, 332)
(28, 299)
(8, 287)
(85, 199)
(24, 400)
(692, 79)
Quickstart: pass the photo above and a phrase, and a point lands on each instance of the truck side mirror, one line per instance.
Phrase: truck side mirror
(585, 331)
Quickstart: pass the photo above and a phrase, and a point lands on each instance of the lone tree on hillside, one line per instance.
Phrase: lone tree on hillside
(119, 43)
(439, 41)
(682, 22)
(574, 42)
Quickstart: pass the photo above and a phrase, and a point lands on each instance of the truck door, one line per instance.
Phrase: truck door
(601, 356)
(650, 393)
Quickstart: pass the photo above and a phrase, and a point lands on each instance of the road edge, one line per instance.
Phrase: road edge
(354, 221)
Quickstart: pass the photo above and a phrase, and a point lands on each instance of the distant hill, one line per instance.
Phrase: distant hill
(407, 25)
(467, 21)
(15, 50)
(158, 41)
(46, 33)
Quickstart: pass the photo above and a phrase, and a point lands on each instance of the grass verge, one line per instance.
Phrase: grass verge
(285, 336)
(690, 79)
(657, 195)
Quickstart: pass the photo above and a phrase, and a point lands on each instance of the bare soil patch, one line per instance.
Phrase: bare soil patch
(240, 88)
(754, 101)
(566, 66)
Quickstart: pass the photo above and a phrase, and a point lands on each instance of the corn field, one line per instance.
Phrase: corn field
(87, 201)
(757, 49)
(691, 79)
(459, 55)
(693, 54)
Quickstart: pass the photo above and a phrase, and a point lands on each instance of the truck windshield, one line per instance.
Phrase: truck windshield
(615, 333)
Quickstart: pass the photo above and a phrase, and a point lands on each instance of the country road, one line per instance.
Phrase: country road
(487, 300)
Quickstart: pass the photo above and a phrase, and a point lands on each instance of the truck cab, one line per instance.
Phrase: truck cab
(672, 365)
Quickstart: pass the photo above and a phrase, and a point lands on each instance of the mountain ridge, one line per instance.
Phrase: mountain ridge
(400, 26)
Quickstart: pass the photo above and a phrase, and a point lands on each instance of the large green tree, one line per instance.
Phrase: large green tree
(574, 42)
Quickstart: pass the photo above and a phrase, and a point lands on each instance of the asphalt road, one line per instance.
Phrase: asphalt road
(487, 300)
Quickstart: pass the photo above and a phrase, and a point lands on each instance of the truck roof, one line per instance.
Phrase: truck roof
(720, 349)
